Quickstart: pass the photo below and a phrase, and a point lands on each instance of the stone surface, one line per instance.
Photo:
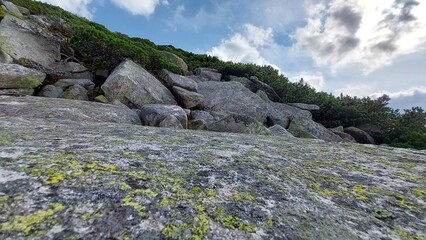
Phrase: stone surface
(208, 74)
(38, 107)
(277, 130)
(235, 123)
(154, 114)
(17, 92)
(5, 58)
(173, 79)
(270, 92)
(69, 70)
(232, 97)
(51, 91)
(101, 99)
(173, 58)
(303, 106)
(22, 40)
(339, 131)
(197, 125)
(279, 113)
(54, 24)
(262, 94)
(202, 115)
(187, 98)
(135, 87)
(171, 122)
(12, 8)
(66, 83)
(17, 76)
(360, 135)
(76, 92)
(114, 181)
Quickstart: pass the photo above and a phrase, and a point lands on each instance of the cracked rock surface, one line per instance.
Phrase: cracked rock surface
(83, 180)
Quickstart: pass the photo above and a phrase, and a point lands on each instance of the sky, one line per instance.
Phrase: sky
(355, 47)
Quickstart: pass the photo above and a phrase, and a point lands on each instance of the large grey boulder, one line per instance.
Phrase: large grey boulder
(66, 83)
(202, 115)
(303, 106)
(51, 91)
(64, 109)
(173, 58)
(69, 70)
(208, 74)
(255, 85)
(360, 135)
(154, 114)
(187, 98)
(135, 87)
(235, 123)
(23, 40)
(17, 76)
(171, 122)
(76, 92)
(173, 79)
(232, 97)
(303, 125)
(279, 131)
(83, 180)
(339, 131)
(12, 8)
(53, 23)
(17, 92)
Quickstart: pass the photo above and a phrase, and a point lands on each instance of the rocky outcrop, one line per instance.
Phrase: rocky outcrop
(279, 131)
(235, 123)
(19, 77)
(113, 181)
(23, 40)
(154, 114)
(171, 122)
(303, 106)
(69, 70)
(12, 8)
(51, 91)
(187, 98)
(135, 87)
(173, 58)
(208, 74)
(232, 97)
(66, 83)
(279, 113)
(76, 92)
(359, 135)
(173, 79)
(255, 85)
(339, 131)
(38, 107)
(202, 115)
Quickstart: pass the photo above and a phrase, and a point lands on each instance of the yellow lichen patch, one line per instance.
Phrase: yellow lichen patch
(360, 192)
(134, 156)
(420, 193)
(18, 198)
(88, 216)
(243, 196)
(129, 201)
(231, 222)
(121, 184)
(29, 223)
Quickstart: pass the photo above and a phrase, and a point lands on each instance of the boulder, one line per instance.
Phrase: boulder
(69, 70)
(298, 131)
(66, 83)
(208, 74)
(173, 58)
(51, 91)
(317, 130)
(236, 123)
(76, 92)
(17, 76)
(375, 131)
(202, 115)
(360, 135)
(153, 114)
(187, 98)
(4, 57)
(23, 10)
(280, 114)
(262, 94)
(339, 131)
(279, 131)
(173, 79)
(12, 8)
(54, 24)
(232, 97)
(17, 92)
(23, 40)
(270, 92)
(135, 87)
(303, 106)
(171, 122)
(103, 73)
(101, 99)
(197, 124)
(64, 109)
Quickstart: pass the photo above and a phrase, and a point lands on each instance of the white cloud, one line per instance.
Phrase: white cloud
(314, 79)
(359, 90)
(401, 94)
(79, 7)
(370, 33)
(405, 99)
(246, 47)
(139, 7)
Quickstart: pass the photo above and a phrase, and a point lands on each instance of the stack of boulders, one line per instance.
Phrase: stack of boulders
(31, 64)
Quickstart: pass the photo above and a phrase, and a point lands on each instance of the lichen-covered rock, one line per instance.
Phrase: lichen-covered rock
(17, 92)
(235, 123)
(17, 76)
(23, 40)
(171, 122)
(173, 58)
(232, 97)
(339, 131)
(66, 83)
(53, 23)
(303, 106)
(69, 70)
(135, 87)
(360, 135)
(187, 98)
(202, 115)
(208, 74)
(153, 114)
(113, 181)
(280, 114)
(64, 109)
(76, 92)
(51, 91)
(278, 130)
(173, 79)
(12, 8)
